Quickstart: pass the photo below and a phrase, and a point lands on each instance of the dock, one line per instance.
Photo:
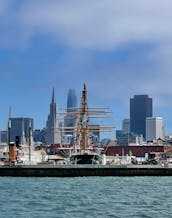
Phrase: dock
(84, 170)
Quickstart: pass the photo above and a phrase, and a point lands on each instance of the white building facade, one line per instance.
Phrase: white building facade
(126, 126)
(154, 128)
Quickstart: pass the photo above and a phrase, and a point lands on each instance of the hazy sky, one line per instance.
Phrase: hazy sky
(118, 48)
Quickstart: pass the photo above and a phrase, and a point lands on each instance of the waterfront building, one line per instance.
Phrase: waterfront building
(52, 127)
(126, 126)
(140, 109)
(137, 151)
(20, 128)
(154, 128)
(128, 139)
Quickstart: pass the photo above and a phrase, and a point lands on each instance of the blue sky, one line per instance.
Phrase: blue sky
(118, 48)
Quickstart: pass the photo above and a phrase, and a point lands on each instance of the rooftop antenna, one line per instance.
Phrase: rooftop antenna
(9, 113)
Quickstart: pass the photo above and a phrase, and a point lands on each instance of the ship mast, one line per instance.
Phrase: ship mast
(83, 130)
(84, 119)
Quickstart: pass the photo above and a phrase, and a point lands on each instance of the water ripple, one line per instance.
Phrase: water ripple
(87, 197)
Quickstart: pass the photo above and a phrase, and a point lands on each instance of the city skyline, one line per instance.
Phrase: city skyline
(119, 49)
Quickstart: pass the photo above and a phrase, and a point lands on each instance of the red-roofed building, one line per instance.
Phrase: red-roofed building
(138, 151)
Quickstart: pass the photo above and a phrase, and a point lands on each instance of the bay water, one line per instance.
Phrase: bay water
(86, 197)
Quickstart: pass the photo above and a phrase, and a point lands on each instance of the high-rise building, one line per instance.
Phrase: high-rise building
(52, 127)
(39, 135)
(3, 136)
(126, 126)
(119, 133)
(71, 100)
(70, 119)
(154, 128)
(20, 128)
(140, 108)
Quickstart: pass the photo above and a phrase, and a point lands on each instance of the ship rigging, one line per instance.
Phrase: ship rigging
(82, 131)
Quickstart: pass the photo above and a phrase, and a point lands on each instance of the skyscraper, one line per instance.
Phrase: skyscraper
(126, 126)
(70, 119)
(154, 128)
(71, 99)
(140, 108)
(20, 127)
(52, 127)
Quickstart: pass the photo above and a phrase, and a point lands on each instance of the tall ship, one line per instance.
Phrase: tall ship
(84, 150)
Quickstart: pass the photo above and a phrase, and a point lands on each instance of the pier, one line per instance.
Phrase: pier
(84, 170)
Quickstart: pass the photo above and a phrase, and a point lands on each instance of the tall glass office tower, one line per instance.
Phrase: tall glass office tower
(20, 128)
(70, 119)
(140, 109)
(71, 100)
